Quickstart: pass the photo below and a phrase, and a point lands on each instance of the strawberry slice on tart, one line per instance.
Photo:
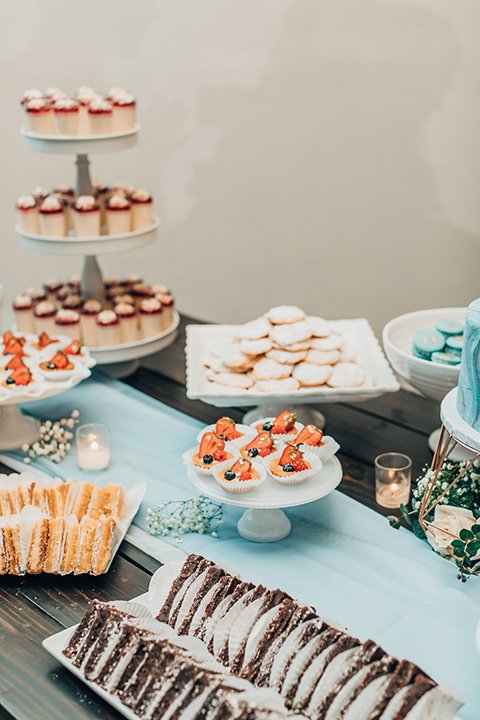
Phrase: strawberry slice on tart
(260, 446)
(74, 348)
(291, 459)
(310, 435)
(283, 424)
(58, 362)
(44, 339)
(225, 428)
(19, 376)
(14, 346)
(240, 470)
(15, 363)
(211, 451)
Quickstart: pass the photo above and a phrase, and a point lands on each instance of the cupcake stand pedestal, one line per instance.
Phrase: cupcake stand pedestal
(120, 360)
(264, 520)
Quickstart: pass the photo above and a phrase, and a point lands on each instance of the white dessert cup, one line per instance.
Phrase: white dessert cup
(71, 330)
(66, 123)
(124, 118)
(88, 327)
(29, 220)
(45, 323)
(24, 319)
(239, 487)
(142, 215)
(58, 375)
(296, 478)
(325, 451)
(108, 334)
(118, 221)
(128, 328)
(83, 120)
(86, 223)
(187, 458)
(150, 323)
(53, 224)
(167, 315)
(100, 123)
(41, 123)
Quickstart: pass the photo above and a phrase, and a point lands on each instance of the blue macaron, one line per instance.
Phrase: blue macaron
(449, 327)
(445, 358)
(428, 341)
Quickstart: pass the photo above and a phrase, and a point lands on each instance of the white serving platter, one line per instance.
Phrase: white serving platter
(357, 332)
(99, 244)
(80, 144)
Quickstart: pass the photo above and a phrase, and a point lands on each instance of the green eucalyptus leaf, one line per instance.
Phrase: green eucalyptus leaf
(467, 562)
(472, 548)
(458, 545)
(475, 528)
(393, 521)
(418, 530)
(466, 534)
(405, 513)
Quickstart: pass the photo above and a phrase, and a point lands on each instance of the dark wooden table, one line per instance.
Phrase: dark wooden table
(32, 684)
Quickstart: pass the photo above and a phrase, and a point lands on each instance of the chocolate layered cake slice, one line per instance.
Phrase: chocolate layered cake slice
(209, 604)
(190, 567)
(155, 662)
(200, 685)
(282, 645)
(87, 630)
(210, 583)
(406, 698)
(223, 629)
(404, 674)
(338, 673)
(199, 571)
(120, 674)
(344, 646)
(106, 647)
(166, 690)
(241, 590)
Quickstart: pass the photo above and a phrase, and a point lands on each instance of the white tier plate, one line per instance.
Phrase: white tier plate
(271, 495)
(107, 354)
(80, 144)
(100, 244)
(456, 425)
(47, 388)
(357, 332)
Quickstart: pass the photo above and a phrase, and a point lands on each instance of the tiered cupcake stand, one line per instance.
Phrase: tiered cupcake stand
(120, 360)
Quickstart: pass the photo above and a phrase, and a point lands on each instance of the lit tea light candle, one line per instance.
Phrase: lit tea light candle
(93, 447)
(392, 479)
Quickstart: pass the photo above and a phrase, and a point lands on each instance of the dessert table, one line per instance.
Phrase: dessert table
(32, 684)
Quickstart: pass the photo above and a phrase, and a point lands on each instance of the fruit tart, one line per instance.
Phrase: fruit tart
(58, 368)
(312, 439)
(260, 449)
(44, 340)
(291, 466)
(211, 451)
(13, 345)
(75, 348)
(229, 431)
(20, 377)
(284, 425)
(241, 477)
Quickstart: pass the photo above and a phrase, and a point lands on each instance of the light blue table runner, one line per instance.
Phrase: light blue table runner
(340, 557)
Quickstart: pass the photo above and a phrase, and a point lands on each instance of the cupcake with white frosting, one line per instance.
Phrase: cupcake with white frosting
(23, 307)
(108, 328)
(51, 287)
(73, 302)
(100, 117)
(84, 96)
(118, 212)
(32, 94)
(44, 317)
(86, 216)
(54, 93)
(67, 322)
(150, 316)
(128, 322)
(142, 204)
(52, 217)
(88, 317)
(27, 211)
(168, 304)
(65, 115)
(40, 193)
(40, 116)
(124, 113)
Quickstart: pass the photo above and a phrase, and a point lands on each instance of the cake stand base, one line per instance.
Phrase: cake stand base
(121, 369)
(458, 453)
(306, 414)
(17, 429)
(259, 525)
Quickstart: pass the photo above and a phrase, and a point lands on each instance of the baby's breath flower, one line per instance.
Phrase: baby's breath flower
(199, 514)
(53, 439)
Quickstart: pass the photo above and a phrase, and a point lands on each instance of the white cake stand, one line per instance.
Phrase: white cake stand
(456, 426)
(17, 429)
(265, 521)
(80, 144)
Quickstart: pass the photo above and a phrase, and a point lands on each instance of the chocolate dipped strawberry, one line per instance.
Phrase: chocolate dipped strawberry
(225, 428)
(309, 435)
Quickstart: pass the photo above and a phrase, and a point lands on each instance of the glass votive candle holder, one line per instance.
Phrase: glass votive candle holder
(393, 474)
(93, 447)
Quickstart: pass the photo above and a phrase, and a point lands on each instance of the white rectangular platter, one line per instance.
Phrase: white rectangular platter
(357, 332)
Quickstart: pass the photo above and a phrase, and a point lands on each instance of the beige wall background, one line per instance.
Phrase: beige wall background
(318, 152)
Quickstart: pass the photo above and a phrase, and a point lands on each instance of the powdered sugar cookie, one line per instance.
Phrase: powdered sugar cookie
(235, 380)
(295, 347)
(323, 357)
(332, 342)
(217, 365)
(255, 329)
(290, 334)
(256, 347)
(346, 374)
(285, 314)
(319, 327)
(218, 348)
(266, 369)
(274, 387)
(234, 358)
(347, 353)
(308, 374)
(287, 357)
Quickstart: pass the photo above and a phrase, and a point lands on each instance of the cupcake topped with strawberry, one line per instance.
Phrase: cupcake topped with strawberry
(291, 466)
(309, 435)
(229, 431)
(260, 447)
(241, 477)
(210, 452)
(312, 439)
(284, 424)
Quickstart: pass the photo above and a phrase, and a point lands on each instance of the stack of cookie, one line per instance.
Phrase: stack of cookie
(285, 350)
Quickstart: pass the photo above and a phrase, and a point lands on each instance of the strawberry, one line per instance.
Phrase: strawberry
(292, 459)
(45, 340)
(244, 469)
(73, 349)
(21, 376)
(14, 347)
(309, 435)
(284, 422)
(263, 445)
(7, 336)
(225, 428)
(15, 363)
(60, 361)
(211, 448)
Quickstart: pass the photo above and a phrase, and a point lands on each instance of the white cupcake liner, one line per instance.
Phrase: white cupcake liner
(58, 375)
(264, 460)
(296, 478)
(281, 436)
(187, 458)
(248, 434)
(325, 451)
(239, 487)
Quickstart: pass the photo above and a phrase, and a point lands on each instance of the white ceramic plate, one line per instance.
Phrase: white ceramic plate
(270, 494)
(80, 144)
(357, 333)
